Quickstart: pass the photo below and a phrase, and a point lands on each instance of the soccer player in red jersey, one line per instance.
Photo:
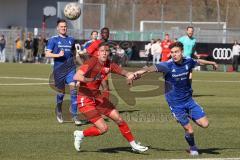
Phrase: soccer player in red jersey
(165, 48)
(92, 50)
(92, 104)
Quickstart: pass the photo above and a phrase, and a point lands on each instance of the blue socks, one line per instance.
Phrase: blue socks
(74, 109)
(190, 139)
(59, 100)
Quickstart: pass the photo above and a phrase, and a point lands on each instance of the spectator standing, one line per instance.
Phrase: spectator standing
(156, 50)
(120, 55)
(35, 48)
(235, 55)
(41, 49)
(19, 50)
(2, 48)
(129, 53)
(148, 51)
(28, 45)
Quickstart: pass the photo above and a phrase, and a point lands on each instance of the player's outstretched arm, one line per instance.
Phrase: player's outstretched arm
(129, 76)
(204, 62)
(120, 71)
(142, 71)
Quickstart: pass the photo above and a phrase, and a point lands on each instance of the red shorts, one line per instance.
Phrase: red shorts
(92, 108)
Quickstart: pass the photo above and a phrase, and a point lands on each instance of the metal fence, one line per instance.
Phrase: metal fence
(10, 36)
(207, 36)
(219, 23)
(124, 19)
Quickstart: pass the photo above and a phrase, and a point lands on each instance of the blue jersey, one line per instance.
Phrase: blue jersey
(87, 44)
(58, 43)
(177, 85)
(188, 45)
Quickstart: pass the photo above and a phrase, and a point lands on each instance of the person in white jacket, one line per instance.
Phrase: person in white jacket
(235, 55)
(148, 52)
(156, 51)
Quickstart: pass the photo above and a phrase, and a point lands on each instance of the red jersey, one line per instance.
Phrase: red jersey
(165, 50)
(92, 68)
(93, 48)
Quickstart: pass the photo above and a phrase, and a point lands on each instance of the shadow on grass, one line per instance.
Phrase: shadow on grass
(202, 95)
(115, 150)
(129, 111)
(211, 150)
(161, 149)
(214, 151)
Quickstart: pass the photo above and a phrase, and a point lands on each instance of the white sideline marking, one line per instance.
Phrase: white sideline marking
(23, 84)
(203, 159)
(46, 79)
(42, 79)
(217, 81)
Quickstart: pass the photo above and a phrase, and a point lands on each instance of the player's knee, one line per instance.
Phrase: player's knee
(119, 120)
(205, 124)
(188, 128)
(103, 129)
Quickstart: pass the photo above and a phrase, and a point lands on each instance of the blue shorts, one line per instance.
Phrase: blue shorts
(60, 79)
(188, 110)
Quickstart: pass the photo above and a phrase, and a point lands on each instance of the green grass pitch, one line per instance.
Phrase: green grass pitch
(28, 127)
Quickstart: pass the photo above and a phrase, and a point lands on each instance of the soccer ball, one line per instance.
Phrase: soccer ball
(72, 11)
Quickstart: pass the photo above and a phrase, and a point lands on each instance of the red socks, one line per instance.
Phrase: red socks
(123, 127)
(91, 131)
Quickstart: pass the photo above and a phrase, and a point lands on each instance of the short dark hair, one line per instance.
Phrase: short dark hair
(104, 28)
(176, 44)
(190, 27)
(94, 31)
(61, 21)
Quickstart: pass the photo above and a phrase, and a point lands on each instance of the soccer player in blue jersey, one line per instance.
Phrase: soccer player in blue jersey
(178, 91)
(60, 47)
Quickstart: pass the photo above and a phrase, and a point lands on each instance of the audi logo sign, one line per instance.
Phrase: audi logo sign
(222, 53)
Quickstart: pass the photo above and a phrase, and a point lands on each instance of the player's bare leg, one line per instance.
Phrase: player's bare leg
(202, 122)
